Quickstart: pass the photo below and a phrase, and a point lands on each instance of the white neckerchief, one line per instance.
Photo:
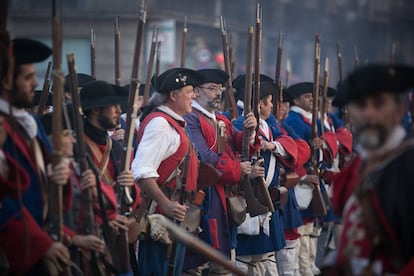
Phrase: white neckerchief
(240, 104)
(301, 111)
(265, 129)
(24, 118)
(197, 106)
(392, 142)
(170, 112)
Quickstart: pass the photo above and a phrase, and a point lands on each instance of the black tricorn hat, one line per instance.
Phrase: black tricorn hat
(29, 51)
(240, 81)
(83, 79)
(268, 88)
(300, 88)
(331, 92)
(38, 94)
(99, 94)
(123, 92)
(177, 78)
(214, 76)
(372, 79)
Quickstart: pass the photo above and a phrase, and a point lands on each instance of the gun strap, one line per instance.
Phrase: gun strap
(102, 170)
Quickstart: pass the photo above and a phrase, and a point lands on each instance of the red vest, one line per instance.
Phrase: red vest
(168, 165)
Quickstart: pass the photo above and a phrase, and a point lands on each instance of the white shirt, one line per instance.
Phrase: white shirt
(159, 141)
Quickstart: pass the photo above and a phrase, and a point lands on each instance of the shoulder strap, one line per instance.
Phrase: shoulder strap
(103, 172)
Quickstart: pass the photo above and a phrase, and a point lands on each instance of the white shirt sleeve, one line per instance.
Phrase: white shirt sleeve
(159, 141)
(279, 150)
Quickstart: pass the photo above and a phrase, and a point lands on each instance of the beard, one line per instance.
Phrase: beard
(21, 100)
(371, 136)
(215, 104)
(106, 123)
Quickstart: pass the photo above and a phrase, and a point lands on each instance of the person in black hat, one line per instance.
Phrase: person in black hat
(162, 144)
(373, 193)
(259, 238)
(83, 79)
(300, 119)
(28, 144)
(203, 123)
(73, 203)
(101, 108)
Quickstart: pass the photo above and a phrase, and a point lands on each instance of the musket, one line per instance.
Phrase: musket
(231, 57)
(257, 61)
(318, 203)
(93, 55)
(158, 59)
(181, 200)
(254, 207)
(324, 93)
(198, 245)
(262, 191)
(184, 43)
(345, 112)
(356, 58)
(277, 73)
(288, 72)
(124, 193)
(150, 66)
(231, 102)
(45, 90)
(316, 71)
(56, 191)
(340, 62)
(91, 265)
(117, 39)
(132, 107)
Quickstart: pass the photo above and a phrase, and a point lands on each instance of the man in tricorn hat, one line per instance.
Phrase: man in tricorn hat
(217, 142)
(101, 108)
(325, 145)
(374, 193)
(23, 238)
(159, 165)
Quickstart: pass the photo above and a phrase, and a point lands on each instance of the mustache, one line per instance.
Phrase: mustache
(368, 126)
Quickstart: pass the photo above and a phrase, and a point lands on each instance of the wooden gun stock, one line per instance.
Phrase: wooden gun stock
(254, 207)
(318, 203)
(263, 194)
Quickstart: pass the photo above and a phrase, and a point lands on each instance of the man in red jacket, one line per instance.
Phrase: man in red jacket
(374, 193)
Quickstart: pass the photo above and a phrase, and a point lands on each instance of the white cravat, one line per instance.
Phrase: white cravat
(24, 118)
